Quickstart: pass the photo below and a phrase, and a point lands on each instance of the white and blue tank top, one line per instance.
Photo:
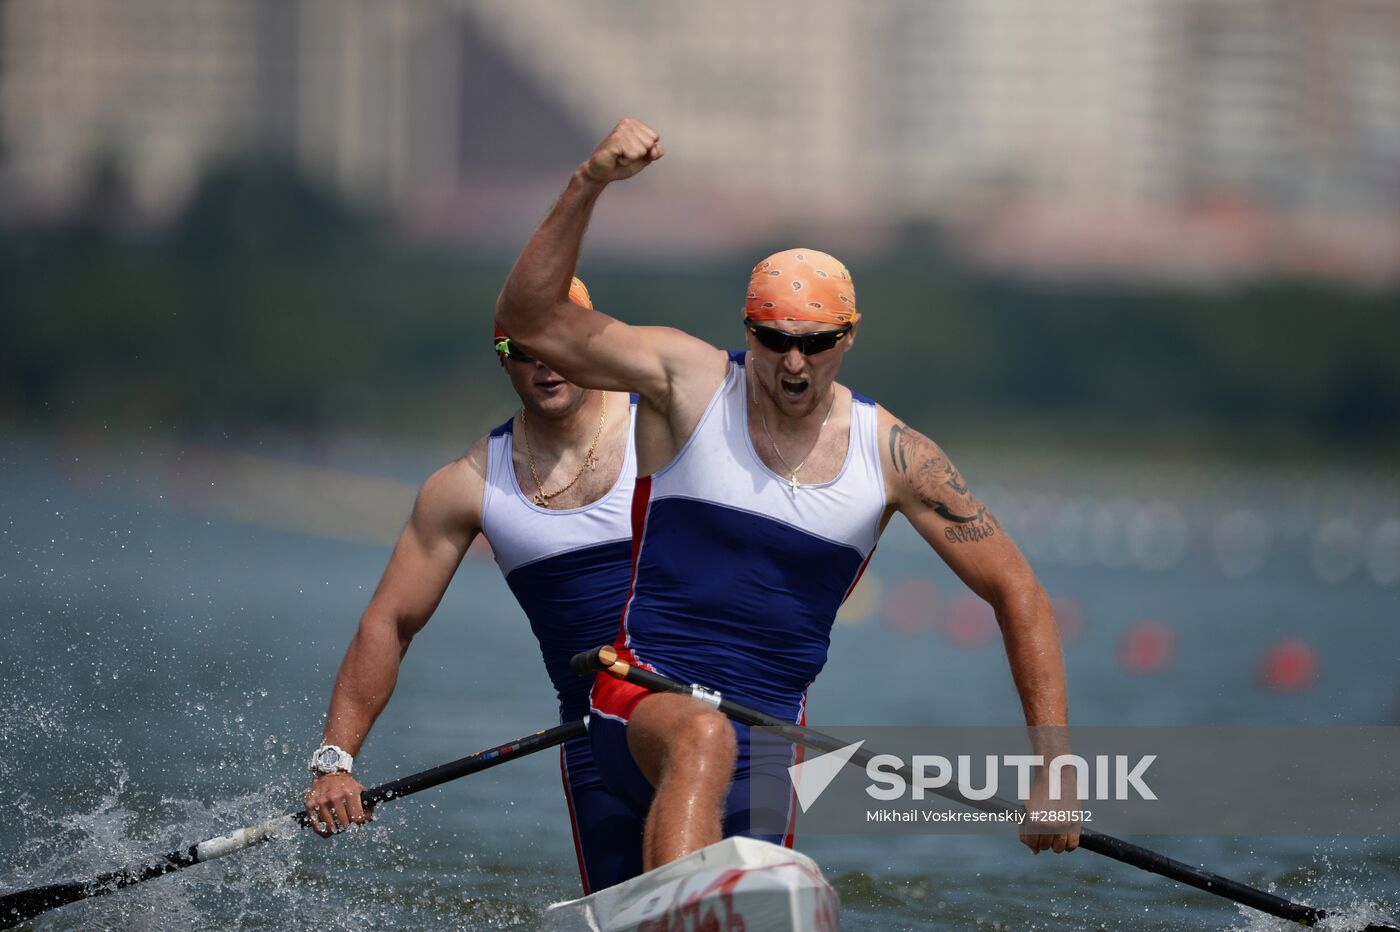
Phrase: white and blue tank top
(737, 577)
(568, 567)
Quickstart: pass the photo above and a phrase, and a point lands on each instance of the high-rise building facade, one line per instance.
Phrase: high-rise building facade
(1121, 113)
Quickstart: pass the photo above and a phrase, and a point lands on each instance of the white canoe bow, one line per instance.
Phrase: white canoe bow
(738, 883)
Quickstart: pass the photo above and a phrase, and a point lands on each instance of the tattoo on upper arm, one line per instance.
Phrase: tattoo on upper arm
(978, 527)
(947, 515)
(939, 486)
(897, 442)
(928, 471)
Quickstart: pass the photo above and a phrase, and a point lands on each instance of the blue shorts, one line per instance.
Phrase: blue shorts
(756, 783)
(607, 830)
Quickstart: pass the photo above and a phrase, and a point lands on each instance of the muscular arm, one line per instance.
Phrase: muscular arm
(927, 488)
(446, 519)
(586, 347)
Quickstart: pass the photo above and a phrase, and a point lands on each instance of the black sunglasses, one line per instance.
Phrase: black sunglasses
(504, 348)
(809, 344)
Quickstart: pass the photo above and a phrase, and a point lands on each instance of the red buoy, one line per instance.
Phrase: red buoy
(1069, 618)
(1289, 666)
(970, 622)
(1147, 647)
(910, 606)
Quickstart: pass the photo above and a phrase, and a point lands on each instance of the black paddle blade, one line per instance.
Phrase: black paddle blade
(26, 904)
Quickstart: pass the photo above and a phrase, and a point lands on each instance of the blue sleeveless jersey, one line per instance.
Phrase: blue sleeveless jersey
(737, 577)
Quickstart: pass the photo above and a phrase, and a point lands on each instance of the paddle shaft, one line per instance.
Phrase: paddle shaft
(605, 659)
(26, 904)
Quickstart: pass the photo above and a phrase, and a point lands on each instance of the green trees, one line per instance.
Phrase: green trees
(269, 304)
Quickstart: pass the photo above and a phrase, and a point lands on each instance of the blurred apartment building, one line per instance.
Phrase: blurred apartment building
(358, 93)
(1182, 137)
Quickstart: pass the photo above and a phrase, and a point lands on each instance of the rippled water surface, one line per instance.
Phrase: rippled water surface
(168, 649)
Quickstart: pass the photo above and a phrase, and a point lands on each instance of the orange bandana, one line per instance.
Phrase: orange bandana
(801, 284)
(578, 294)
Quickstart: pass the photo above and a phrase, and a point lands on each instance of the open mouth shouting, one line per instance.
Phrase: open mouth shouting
(794, 387)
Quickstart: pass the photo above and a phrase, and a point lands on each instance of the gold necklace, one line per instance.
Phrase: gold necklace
(542, 497)
(763, 419)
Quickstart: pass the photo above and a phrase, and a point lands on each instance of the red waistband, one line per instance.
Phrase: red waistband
(616, 698)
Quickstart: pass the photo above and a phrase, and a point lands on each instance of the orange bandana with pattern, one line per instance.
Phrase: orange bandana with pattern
(578, 294)
(801, 284)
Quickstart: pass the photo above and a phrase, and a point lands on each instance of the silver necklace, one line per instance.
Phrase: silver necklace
(763, 419)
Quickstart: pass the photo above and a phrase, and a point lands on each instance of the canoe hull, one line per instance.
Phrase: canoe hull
(737, 884)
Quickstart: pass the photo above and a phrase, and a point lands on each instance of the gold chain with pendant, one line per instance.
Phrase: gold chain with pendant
(541, 496)
(763, 419)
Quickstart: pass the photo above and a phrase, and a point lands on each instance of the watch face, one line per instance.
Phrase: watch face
(327, 759)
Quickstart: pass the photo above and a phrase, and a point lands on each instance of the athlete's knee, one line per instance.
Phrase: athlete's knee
(706, 734)
(676, 735)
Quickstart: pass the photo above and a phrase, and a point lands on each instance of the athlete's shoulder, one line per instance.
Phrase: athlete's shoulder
(897, 436)
(917, 470)
(858, 399)
(695, 372)
(677, 350)
(453, 493)
(702, 361)
(474, 460)
(884, 416)
(899, 443)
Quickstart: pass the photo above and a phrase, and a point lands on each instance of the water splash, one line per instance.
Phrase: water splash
(1340, 878)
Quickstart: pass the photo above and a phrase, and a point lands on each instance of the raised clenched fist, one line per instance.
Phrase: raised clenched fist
(629, 148)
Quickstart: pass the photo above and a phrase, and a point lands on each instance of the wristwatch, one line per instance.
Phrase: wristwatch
(330, 758)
